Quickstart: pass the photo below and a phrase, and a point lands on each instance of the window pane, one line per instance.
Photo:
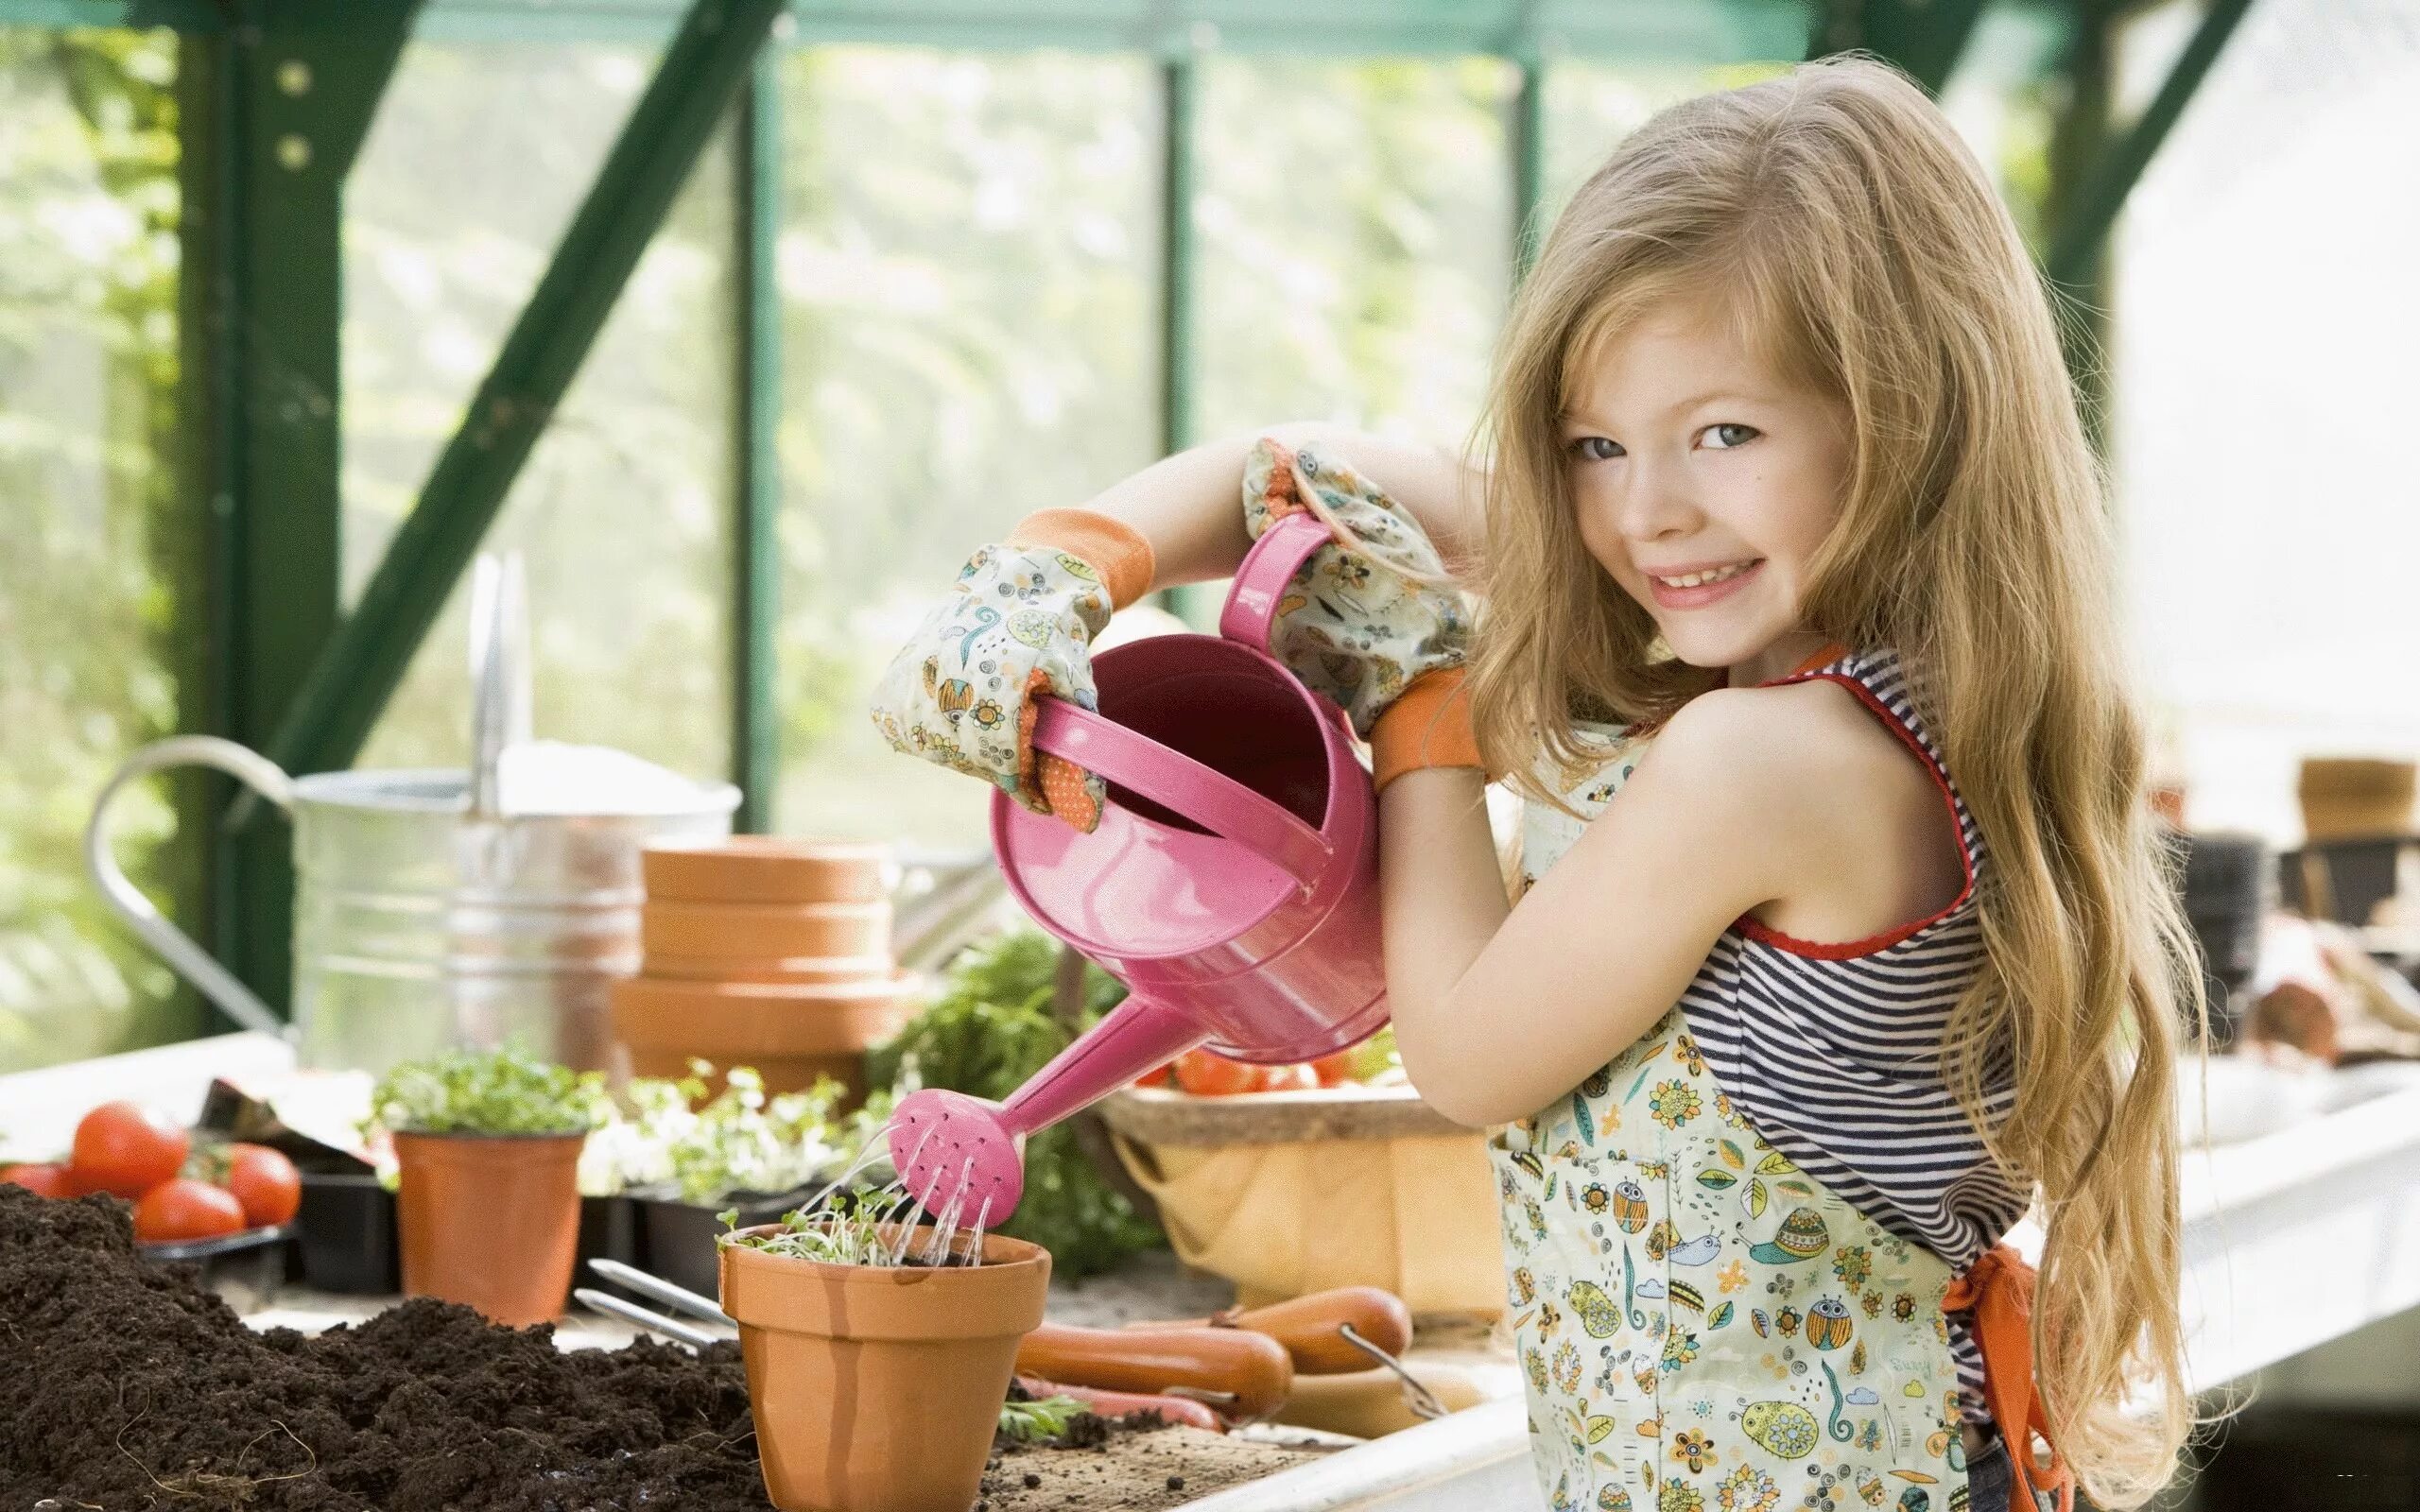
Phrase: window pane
(478, 159)
(101, 562)
(1355, 225)
(2262, 356)
(968, 282)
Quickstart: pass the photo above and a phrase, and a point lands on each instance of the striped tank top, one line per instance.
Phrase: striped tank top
(1833, 1050)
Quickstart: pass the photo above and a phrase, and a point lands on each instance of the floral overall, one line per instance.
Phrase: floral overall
(1702, 1325)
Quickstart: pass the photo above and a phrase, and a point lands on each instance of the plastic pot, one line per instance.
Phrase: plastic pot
(347, 1224)
(751, 869)
(715, 932)
(877, 1389)
(490, 1221)
(680, 1236)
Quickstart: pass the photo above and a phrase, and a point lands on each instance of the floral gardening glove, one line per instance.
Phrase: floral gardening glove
(1018, 626)
(1359, 623)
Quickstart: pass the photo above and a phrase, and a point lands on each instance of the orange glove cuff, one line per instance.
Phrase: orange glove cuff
(1121, 554)
(1429, 724)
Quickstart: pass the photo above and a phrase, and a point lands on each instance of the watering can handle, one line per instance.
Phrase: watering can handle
(1268, 568)
(186, 958)
(1181, 784)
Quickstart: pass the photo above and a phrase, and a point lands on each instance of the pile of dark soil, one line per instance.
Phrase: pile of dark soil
(127, 1387)
(130, 1387)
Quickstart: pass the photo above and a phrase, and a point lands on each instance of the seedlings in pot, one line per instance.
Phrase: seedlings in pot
(857, 1227)
(487, 1092)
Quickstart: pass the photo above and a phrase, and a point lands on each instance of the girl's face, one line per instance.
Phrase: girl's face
(1704, 483)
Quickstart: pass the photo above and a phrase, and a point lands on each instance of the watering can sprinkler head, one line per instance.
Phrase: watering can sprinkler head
(945, 1143)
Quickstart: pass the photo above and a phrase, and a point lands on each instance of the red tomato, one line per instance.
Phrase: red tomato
(1207, 1074)
(265, 1182)
(186, 1209)
(1334, 1071)
(125, 1150)
(1293, 1078)
(44, 1180)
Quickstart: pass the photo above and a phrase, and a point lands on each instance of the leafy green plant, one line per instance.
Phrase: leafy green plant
(744, 1141)
(990, 1029)
(487, 1092)
(1027, 1422)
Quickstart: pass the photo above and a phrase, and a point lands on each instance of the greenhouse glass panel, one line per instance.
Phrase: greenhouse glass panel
(478, 160)
(968, 272)
(2262, 356)
(100, 593)
(1354, 229)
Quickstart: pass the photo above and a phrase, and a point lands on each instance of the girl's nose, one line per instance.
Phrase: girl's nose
(1656, 501)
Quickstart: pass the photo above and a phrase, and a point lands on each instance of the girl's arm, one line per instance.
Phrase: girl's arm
(1500, 1010)
(1189, 505)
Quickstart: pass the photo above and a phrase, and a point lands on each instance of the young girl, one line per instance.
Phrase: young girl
(1788, 538)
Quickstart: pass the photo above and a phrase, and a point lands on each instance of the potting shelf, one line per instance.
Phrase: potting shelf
(2291, 1239)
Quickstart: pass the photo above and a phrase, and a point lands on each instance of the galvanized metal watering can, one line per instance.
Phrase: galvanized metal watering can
(1232, 883)
(440, 908)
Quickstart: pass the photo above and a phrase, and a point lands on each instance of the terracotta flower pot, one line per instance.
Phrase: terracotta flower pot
(876, 1390)
(490, 1221)
(793, 970)
(754, 869)
(790, 1033)
(711, 931)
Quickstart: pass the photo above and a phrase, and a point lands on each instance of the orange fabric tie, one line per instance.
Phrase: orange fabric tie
(1119, 553)
(1999, 1291)
(1428, 724)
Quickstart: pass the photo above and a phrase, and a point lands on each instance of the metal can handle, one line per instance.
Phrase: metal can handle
(175, 946)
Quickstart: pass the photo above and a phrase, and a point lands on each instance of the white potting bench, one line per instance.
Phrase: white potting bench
(2291, 1239)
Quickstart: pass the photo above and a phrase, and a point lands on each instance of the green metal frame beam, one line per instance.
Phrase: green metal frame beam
(2094, 207)
(1529, 141)
(1638, 30)
(757, 576)
(1925, 37)
(197, 17)
(698, 75)
(281, 100)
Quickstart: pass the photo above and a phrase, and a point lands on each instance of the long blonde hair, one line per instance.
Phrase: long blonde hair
(1864, 254)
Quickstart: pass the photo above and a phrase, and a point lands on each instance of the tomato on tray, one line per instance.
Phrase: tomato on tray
(265, 1182)
(43, 1180)
(125, 1150)
(1206, 1073)
(186, 1209)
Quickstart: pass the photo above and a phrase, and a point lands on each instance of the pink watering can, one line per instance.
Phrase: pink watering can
(1232, 883)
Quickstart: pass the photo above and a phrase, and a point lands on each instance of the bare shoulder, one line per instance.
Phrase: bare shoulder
(1853, 819)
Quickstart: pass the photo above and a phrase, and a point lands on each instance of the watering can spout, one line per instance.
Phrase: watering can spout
(941, 1141)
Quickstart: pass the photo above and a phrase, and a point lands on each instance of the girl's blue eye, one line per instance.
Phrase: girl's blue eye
(1585, 449)
(1728, 443)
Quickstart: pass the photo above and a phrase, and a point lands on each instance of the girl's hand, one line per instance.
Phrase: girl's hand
(1018, 626)
(1367, 616)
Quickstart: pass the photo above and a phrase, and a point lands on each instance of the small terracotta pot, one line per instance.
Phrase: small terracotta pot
(756, 868)
(796, 970)
(669, 926)
(878, 1390)
(789, 1033)
(490, 1221)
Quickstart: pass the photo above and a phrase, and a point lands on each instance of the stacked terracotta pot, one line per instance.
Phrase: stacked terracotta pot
(766, 952)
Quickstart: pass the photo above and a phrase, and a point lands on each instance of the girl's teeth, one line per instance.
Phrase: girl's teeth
(1696, 579)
